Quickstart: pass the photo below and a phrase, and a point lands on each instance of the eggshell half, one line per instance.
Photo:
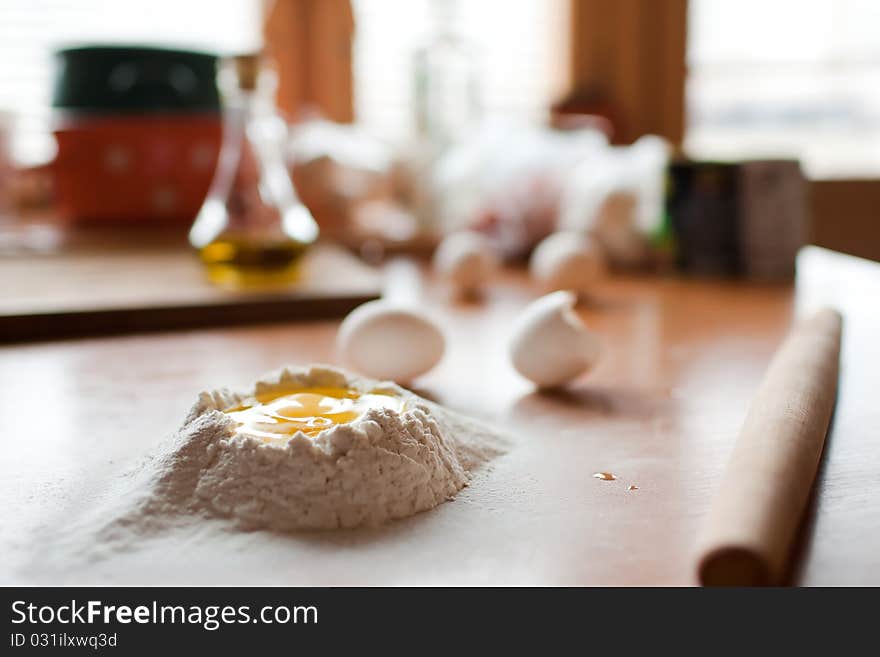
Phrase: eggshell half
(550, 345)
(389, 342)
(567, 261)
(466, 259)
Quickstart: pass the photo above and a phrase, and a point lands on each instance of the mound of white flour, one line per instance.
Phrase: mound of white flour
(382, 465)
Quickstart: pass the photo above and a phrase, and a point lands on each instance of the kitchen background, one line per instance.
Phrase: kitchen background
(410, 119)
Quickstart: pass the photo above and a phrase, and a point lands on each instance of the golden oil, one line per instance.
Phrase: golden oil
(243, 262)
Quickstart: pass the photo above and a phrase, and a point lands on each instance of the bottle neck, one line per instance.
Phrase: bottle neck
(444, 19)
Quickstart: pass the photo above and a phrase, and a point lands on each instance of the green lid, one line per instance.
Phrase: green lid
(135, 79)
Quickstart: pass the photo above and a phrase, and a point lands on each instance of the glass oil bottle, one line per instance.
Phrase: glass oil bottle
(252, 229)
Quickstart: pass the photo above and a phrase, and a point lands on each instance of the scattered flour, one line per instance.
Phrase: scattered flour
(381, 466)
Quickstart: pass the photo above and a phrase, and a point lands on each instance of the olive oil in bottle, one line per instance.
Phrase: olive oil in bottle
(233, 262)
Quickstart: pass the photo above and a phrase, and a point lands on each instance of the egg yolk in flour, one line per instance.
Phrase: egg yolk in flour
(277, 416)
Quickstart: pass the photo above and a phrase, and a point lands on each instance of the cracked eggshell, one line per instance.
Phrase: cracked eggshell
(550, 345)
(389, 342)
(467, 259)
(616, 229)
(567, 261)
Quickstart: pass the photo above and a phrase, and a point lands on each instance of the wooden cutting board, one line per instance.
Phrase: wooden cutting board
(100, 292)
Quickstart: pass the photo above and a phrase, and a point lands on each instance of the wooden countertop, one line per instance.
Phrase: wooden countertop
(682, 360)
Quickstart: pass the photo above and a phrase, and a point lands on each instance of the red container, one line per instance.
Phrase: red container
(148, 168)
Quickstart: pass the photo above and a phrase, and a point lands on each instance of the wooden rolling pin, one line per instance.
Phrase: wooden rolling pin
(753, 521)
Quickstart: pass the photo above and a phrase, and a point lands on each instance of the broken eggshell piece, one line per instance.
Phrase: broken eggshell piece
(466, 259)
(567, 261)
(386, 341)
(550, 345)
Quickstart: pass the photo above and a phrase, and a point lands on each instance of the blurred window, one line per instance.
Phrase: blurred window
(517, 47)
(786, 78)
(31, 29)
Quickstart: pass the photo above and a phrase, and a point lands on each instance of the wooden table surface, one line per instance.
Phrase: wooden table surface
(661, 411)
